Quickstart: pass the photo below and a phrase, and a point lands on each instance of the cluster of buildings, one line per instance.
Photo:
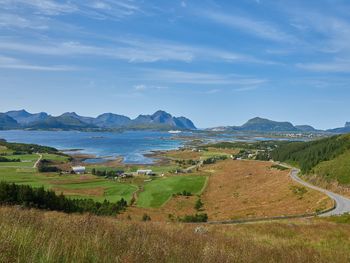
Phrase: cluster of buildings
(82, 170)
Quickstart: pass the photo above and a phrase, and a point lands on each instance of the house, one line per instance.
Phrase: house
(126, 175)
(145, 172)
(79, 169)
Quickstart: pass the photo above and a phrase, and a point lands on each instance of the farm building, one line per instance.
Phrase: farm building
(79, 169)
(146, 172)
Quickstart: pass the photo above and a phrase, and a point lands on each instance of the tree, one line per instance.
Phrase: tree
(199, 204)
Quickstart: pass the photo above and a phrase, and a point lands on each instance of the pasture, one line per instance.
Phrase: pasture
(157, 192)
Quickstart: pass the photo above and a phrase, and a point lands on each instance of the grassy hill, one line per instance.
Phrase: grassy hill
(328, 157)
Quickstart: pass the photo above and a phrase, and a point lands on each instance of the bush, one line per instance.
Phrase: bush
(194, 218)
(184, 193)
(199, 204)
(146, 217)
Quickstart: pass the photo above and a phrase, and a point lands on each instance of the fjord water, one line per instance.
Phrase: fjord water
(131, 145)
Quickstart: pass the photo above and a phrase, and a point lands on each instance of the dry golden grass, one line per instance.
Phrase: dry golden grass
(97, 191)
(182, 154)
(240, 189)
(35, 236)
(178, 206)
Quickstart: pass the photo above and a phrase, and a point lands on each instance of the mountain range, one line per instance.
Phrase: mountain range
(160, 120)
(72, 121)
(258, 124)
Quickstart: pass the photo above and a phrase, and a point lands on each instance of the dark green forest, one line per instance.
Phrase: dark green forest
(309, 154)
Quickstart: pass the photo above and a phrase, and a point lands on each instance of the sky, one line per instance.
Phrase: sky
(215, 62)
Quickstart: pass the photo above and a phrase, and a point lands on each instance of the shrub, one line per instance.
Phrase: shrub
(146, 217)
(194, 218)
(199, 204)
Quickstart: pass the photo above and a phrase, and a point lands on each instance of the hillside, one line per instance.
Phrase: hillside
(6, 122)
(260, 124)
(72, 121)
(37, 236)
(345, 129)
(24, 117)
(263, 125)
(305, 128)
(327, 158)
(61, 122)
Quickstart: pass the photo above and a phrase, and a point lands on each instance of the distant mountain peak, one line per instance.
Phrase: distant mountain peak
(71, 114)
(265, 125)
(71, 120)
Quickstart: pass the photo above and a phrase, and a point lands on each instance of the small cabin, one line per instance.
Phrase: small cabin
(79, 169)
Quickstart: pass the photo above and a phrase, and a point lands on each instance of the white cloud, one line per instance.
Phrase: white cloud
(200, 78)
(102, 9)
(336, 66)
(44, 7)
(212, 91)
(11, 21)
(134, 51)
(143, 87)
(12, 63)
(250, 26)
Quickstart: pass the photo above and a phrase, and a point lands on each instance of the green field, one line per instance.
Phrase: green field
(154, 194)
(158, 191)
(76, 186)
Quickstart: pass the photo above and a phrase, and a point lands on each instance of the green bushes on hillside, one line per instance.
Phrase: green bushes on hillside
(6, 160)
(28, 148)
(27, 196)
(308, 154)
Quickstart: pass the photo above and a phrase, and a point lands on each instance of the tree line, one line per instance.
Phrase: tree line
(6, 160)
(29, 197)
(308, 154)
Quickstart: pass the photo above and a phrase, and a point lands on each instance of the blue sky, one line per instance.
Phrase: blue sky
(216, 62)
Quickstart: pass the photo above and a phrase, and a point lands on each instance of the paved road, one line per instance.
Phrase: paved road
(342, 204)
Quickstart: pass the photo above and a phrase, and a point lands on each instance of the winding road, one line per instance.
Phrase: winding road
(342, 204)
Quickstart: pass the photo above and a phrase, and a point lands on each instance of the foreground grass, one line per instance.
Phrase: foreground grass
(35, 236)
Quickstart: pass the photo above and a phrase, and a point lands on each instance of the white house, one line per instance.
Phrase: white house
(79, 169)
